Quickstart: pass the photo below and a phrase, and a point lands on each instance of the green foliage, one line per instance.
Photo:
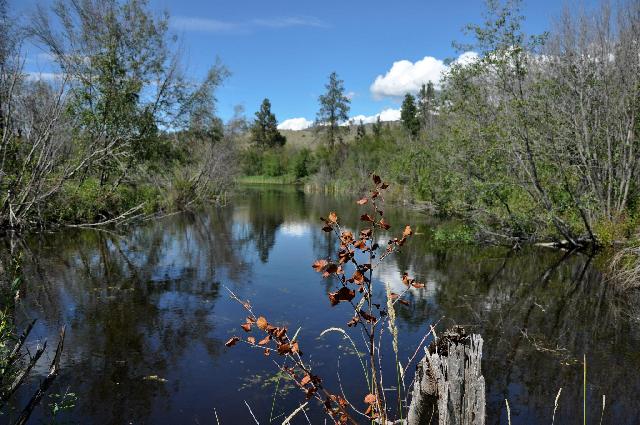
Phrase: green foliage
(264, 131)
(278, 162)
(454, 233)
(61, 403)
(88, 201)
(361, 131)
(409, 115)
(334, 110)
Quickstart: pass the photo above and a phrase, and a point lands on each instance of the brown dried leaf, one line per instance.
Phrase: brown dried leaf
(407, 231)
(384, 185)
(232, 341)
(267, 351)
(284, 349)
(366, 217)
(333, 217)
(384, 224)
(251, 340)
(246, 327)
(262, 323)
(343, 294)
(329, 269)
(305, 380)
(265, 340)
(405, 302)
(318, 265)
(370, 399)
(418, 285)
(347, 237)
(376, 179)
(358, 277)
(368, 317)
(327, 229)
(360, 244)
(362, 201)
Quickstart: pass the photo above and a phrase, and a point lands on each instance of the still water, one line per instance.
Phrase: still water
(147, 315)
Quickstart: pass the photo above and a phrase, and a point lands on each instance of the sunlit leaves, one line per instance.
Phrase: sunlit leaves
(265, 340)
(262, 323)
(319, 265)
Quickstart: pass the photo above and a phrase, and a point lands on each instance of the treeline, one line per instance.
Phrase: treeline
(117, 131)
(537, 138)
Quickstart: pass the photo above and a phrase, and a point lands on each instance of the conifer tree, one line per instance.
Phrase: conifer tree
(361, 131)
(409, 115)
(426, 104)
(334, 110)
(264, 131)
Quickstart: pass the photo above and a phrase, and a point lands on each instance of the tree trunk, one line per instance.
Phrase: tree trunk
(449, 387)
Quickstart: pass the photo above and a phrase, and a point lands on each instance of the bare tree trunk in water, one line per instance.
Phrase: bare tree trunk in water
(449, 388)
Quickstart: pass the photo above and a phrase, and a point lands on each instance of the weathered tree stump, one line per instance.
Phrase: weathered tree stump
(449, 388)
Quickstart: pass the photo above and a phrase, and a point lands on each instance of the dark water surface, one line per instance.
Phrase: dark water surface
(150, 301)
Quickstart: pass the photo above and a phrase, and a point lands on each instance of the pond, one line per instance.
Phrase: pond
(147, 316)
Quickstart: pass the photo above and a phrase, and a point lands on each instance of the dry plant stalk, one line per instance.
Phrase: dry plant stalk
(356, 290)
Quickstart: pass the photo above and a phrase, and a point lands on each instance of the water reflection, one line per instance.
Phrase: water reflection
(149, 303)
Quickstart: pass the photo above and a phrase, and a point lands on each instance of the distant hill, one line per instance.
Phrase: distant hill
(309, 139)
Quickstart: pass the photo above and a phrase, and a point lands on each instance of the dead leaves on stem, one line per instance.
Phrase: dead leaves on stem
(364, 244)
(353, 246)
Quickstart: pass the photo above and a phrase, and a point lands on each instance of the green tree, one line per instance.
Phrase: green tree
(361, 131)
(377, 128)
(409, 115)
(334, 110)
(264, 131)
(124, 77)
(426, 104)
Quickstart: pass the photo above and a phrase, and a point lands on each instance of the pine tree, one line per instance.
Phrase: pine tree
(361, 131)
(264, 131)
(334, 109)
(426, 104)
(409, 115)
(377, 128)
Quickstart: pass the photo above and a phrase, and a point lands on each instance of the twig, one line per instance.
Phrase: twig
(54, 369)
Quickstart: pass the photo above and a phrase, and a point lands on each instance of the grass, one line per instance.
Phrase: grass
(286, 179)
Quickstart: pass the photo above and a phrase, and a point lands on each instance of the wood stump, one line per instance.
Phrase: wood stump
(449, 388)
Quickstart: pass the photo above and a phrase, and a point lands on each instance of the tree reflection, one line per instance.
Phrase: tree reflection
(135, 305)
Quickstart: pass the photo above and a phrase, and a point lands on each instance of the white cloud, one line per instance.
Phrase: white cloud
(407, 77)
(197, 24)
(389, 114)
(295, 124)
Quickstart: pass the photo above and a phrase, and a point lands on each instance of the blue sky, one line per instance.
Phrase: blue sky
(285, 50)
